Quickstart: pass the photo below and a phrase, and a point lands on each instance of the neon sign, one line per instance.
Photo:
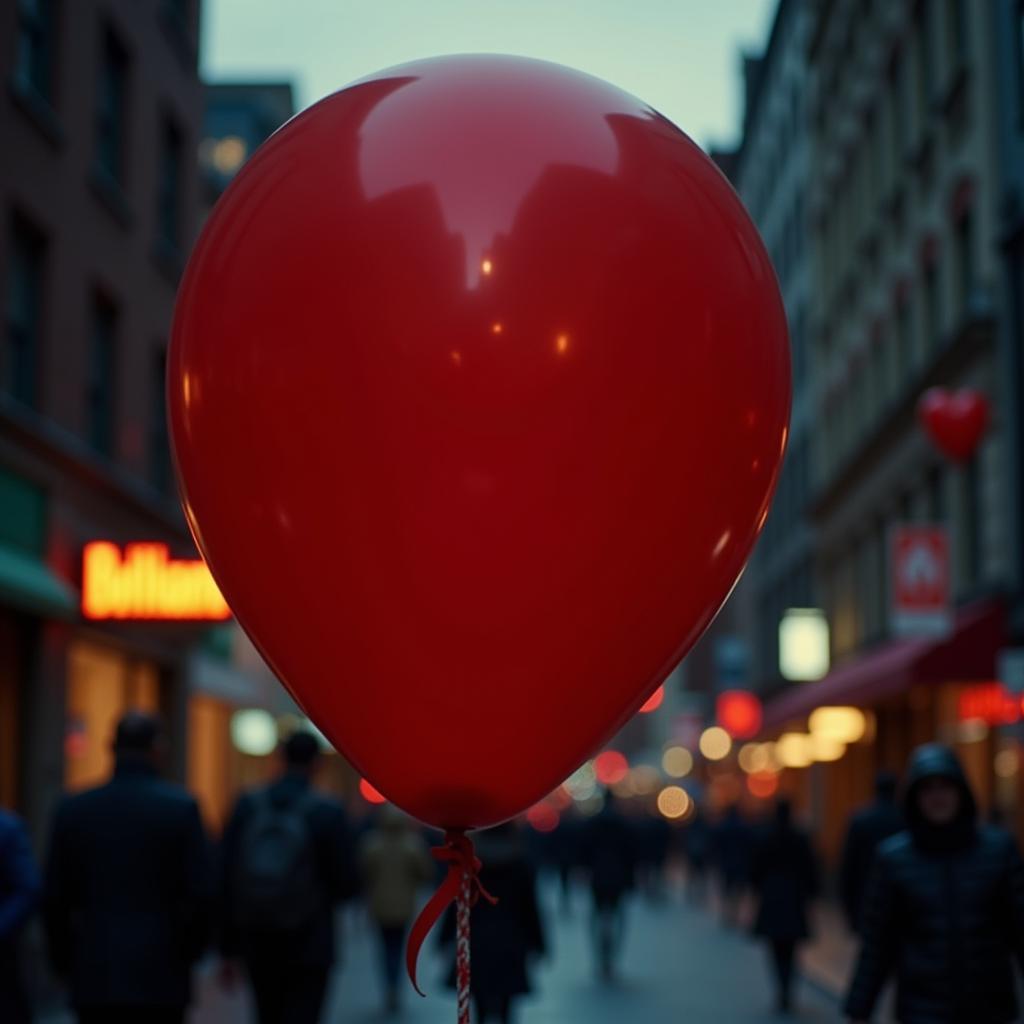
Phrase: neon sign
(144, 582)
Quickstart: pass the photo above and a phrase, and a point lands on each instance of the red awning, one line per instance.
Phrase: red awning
(969, 653)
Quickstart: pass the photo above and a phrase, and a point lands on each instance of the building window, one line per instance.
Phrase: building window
(169, 203)
(904, 341)
(24, 311)
(159, 443)
(101, 379)
(111, 109)
(931, 308)
(956, 26)
(962, 245)
(35, 45)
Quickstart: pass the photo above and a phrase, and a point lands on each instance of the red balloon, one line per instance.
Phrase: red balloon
(956, 421)
(479, 387)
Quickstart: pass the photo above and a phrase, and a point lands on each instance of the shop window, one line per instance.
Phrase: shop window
(24, 311)
(102, 686)
(111, 109)
(209, 757)
(101, 385)
(35, 47)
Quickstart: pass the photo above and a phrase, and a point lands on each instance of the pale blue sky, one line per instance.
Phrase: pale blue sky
(680, 56)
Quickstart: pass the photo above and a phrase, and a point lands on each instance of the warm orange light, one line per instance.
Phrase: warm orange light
(146, 583)
(457, 358)
(562, 344)
(496, 328)
(487, 266)
(371, 795)
(763, 785)
(654, 701)
(610, 767)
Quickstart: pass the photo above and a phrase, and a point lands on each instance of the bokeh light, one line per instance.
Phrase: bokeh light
(677, 762)
(582, 784)
(254, 732)
(845, 724)
(543, 817)
(763, 785)
(825, 748)
(715, 743)
(610, 767)
(793, 750)
(673, 802)
(644, 779)
(1006, 763)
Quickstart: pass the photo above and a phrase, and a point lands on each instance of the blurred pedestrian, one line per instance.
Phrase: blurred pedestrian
(868, 829)
(128, 888)
(733, 841)
(944, 910)
(504, 935)
(784, 874)
(19, 891)
(697, 844)
(654, 836)
(608, 856)
(394, 862)
(288, 862)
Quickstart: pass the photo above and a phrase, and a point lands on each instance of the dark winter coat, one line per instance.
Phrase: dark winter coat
(944, 912)
(869, 828)
(19, 891)
(128, 891)
(314, 944)
(784, 874)
(732, 845)
(607, 851)
(502, 935)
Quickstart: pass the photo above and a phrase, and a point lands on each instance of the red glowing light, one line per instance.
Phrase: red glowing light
(739, 713)
(543, 817)
(371, 795)
(763, 784)
(610, 767)
(989, 702)
(654, 701)
(560, 799)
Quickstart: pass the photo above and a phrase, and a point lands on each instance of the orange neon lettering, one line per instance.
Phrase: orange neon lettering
(146, 583)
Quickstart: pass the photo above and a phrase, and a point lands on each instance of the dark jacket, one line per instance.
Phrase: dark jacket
(19, 891)
(945, 912)
(127, 900)
(869, 828)
(732, 847)
(607, 851)
(314, 944)
(784, 874)
(502, 935)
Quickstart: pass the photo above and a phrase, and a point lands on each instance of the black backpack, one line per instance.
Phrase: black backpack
(276, 884)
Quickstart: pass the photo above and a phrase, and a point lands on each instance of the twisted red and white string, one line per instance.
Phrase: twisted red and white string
(462, 961)
(461, 886)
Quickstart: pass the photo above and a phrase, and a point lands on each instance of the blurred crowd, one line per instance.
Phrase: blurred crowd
(133, 893)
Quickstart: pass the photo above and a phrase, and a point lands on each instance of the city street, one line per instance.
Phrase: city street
(680, 964)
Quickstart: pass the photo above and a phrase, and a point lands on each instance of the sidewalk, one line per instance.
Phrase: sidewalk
(679, 964)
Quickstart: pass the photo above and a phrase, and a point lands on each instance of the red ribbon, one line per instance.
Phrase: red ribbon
(458, 854)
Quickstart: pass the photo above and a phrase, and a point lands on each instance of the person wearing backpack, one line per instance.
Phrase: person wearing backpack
(287, 862)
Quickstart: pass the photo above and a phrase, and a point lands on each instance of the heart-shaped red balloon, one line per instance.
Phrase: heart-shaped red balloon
(479, 387)
(956, 421)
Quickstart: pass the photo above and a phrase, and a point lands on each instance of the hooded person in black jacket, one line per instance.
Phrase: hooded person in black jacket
(944, 909)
